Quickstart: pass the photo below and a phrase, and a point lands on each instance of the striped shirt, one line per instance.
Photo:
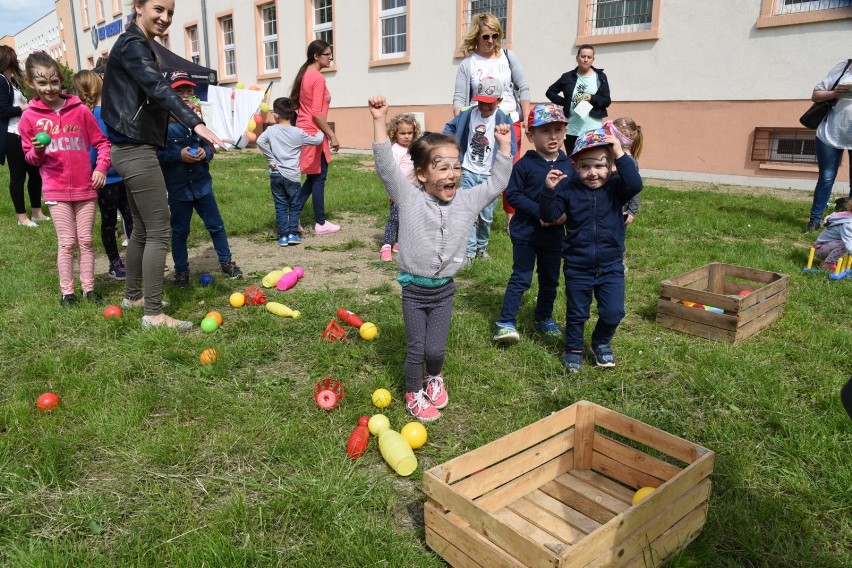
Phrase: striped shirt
(433, 233)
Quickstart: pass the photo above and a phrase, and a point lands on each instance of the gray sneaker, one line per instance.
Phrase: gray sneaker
(483, 255)
(506, 334)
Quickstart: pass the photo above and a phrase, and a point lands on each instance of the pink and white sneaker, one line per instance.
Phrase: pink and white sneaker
(395, 248)
(326, 228)
(436, 392)
(386, 254)
(420, 407)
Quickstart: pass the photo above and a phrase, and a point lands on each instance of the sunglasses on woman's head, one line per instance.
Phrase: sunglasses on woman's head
(486, 37)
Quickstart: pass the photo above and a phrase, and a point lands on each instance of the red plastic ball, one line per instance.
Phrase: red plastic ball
(47, 401)
(112, 312)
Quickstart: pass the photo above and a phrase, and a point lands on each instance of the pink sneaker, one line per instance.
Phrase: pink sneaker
(326, 228)
(395, 248)
(419, 406)
(386, 254)
(435, 390)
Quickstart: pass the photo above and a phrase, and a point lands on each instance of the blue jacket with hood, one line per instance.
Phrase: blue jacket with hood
(594, 229)
(525, 187)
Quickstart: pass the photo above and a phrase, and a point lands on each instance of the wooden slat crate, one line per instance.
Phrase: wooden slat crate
(557, 494)
(718, 285)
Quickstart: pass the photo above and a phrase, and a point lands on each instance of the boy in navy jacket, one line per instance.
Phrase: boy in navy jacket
(185, 164)
(534, 241)
(593, 249)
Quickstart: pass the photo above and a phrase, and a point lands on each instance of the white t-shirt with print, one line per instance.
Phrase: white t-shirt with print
(480, 143)
(497, 67)
(18, 101)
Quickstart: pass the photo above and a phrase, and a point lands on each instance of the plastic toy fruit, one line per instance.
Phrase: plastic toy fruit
(368, 331)
(215, 315)
(208, 356)
(415, 434)
(381, 398)
(112, 312)
(237, 299)
(642, 493)
(47, 401)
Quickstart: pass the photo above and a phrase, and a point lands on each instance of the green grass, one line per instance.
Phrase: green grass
(152, 460)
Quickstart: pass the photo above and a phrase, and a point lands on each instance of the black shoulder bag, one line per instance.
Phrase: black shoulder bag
(818, 111)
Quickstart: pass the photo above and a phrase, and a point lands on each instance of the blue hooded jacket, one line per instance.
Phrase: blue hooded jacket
(185, 182)
(525, 187)
(594, 230)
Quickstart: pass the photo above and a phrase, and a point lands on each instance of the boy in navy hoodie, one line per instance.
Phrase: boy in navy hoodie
(534, 241)
(593, 198)
(185, 164)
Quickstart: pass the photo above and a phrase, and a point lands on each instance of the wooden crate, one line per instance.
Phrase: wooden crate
(718, 285)
(558, 492)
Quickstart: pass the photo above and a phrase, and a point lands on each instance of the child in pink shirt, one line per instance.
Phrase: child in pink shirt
(402, 131)
(69, 184)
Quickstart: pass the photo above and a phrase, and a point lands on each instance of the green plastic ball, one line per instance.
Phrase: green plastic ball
(43, 138)
(209, 325)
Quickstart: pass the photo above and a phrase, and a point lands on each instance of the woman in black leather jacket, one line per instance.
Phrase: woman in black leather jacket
(584, 83)
(137, 103)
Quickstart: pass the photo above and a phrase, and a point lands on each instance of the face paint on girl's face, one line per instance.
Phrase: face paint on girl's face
(47, 83)
(442, 178)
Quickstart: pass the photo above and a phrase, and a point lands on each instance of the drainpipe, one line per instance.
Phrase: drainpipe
(204, 32)
(74, 28)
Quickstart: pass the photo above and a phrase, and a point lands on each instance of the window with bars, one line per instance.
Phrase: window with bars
(498, 8)
(619, 16)
(785, 145)
(796, 6)
(269, 30)
(324, 20)
(192, 42)
(394, 30)
(229, 54)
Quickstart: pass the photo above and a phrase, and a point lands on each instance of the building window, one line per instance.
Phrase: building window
(165, 41)
(324, 20)
(84, 8)
(499, 8)
(620, 16)
(393, 41)
(116, 7)
(794, 6)
(229, 55)
(100, 13)
(269, 35)
(192, 44)
(784, 145)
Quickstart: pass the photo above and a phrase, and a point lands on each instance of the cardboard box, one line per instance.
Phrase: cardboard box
(558, 492)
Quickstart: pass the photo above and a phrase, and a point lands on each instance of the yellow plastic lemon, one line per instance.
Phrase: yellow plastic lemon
(642, 493)
(378, 423)
(381, 398)
(415, 434)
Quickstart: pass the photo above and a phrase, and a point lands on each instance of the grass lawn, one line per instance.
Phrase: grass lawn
(154, 460)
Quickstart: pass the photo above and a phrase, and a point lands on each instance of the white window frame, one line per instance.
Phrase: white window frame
(781, 6)
(775, 141)
(228, 49)
(392, 13)
(325, 29)
(192, 40)
(269, 40)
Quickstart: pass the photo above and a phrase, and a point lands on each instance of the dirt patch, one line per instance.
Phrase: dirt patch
(347, 259)
(683, 185)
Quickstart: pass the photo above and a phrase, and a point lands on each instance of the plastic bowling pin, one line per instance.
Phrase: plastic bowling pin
(811, 258)
(272, 278)
(299, 271)
(397, 452)
(358, 439)
(349, 318)
(287, 281)
(282, 310)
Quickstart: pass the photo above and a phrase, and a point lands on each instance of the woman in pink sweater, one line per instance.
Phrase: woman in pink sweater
(311, 95)
(69, 185)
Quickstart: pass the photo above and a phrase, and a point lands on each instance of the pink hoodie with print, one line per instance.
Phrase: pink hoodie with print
(65, 166)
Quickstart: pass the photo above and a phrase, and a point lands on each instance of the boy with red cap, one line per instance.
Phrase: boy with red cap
(473, 129)
(185, 163)
(592, 199)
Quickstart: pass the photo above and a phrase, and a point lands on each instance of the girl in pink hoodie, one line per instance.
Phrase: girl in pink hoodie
(69, 184)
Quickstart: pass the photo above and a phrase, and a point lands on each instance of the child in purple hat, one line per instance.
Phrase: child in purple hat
(593, 250)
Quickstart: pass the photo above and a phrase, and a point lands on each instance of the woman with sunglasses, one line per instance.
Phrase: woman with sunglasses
(485, 56)
(312, 98)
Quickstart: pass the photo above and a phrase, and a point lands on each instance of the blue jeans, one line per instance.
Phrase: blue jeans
(828, 159)
(525, 257)
(607, 285)
(315, 185)
(481, 231)
(208, 210)
(285, 194)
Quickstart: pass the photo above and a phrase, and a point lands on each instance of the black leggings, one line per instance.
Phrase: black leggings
(112, 199)
(427, 313)
(18, 171)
